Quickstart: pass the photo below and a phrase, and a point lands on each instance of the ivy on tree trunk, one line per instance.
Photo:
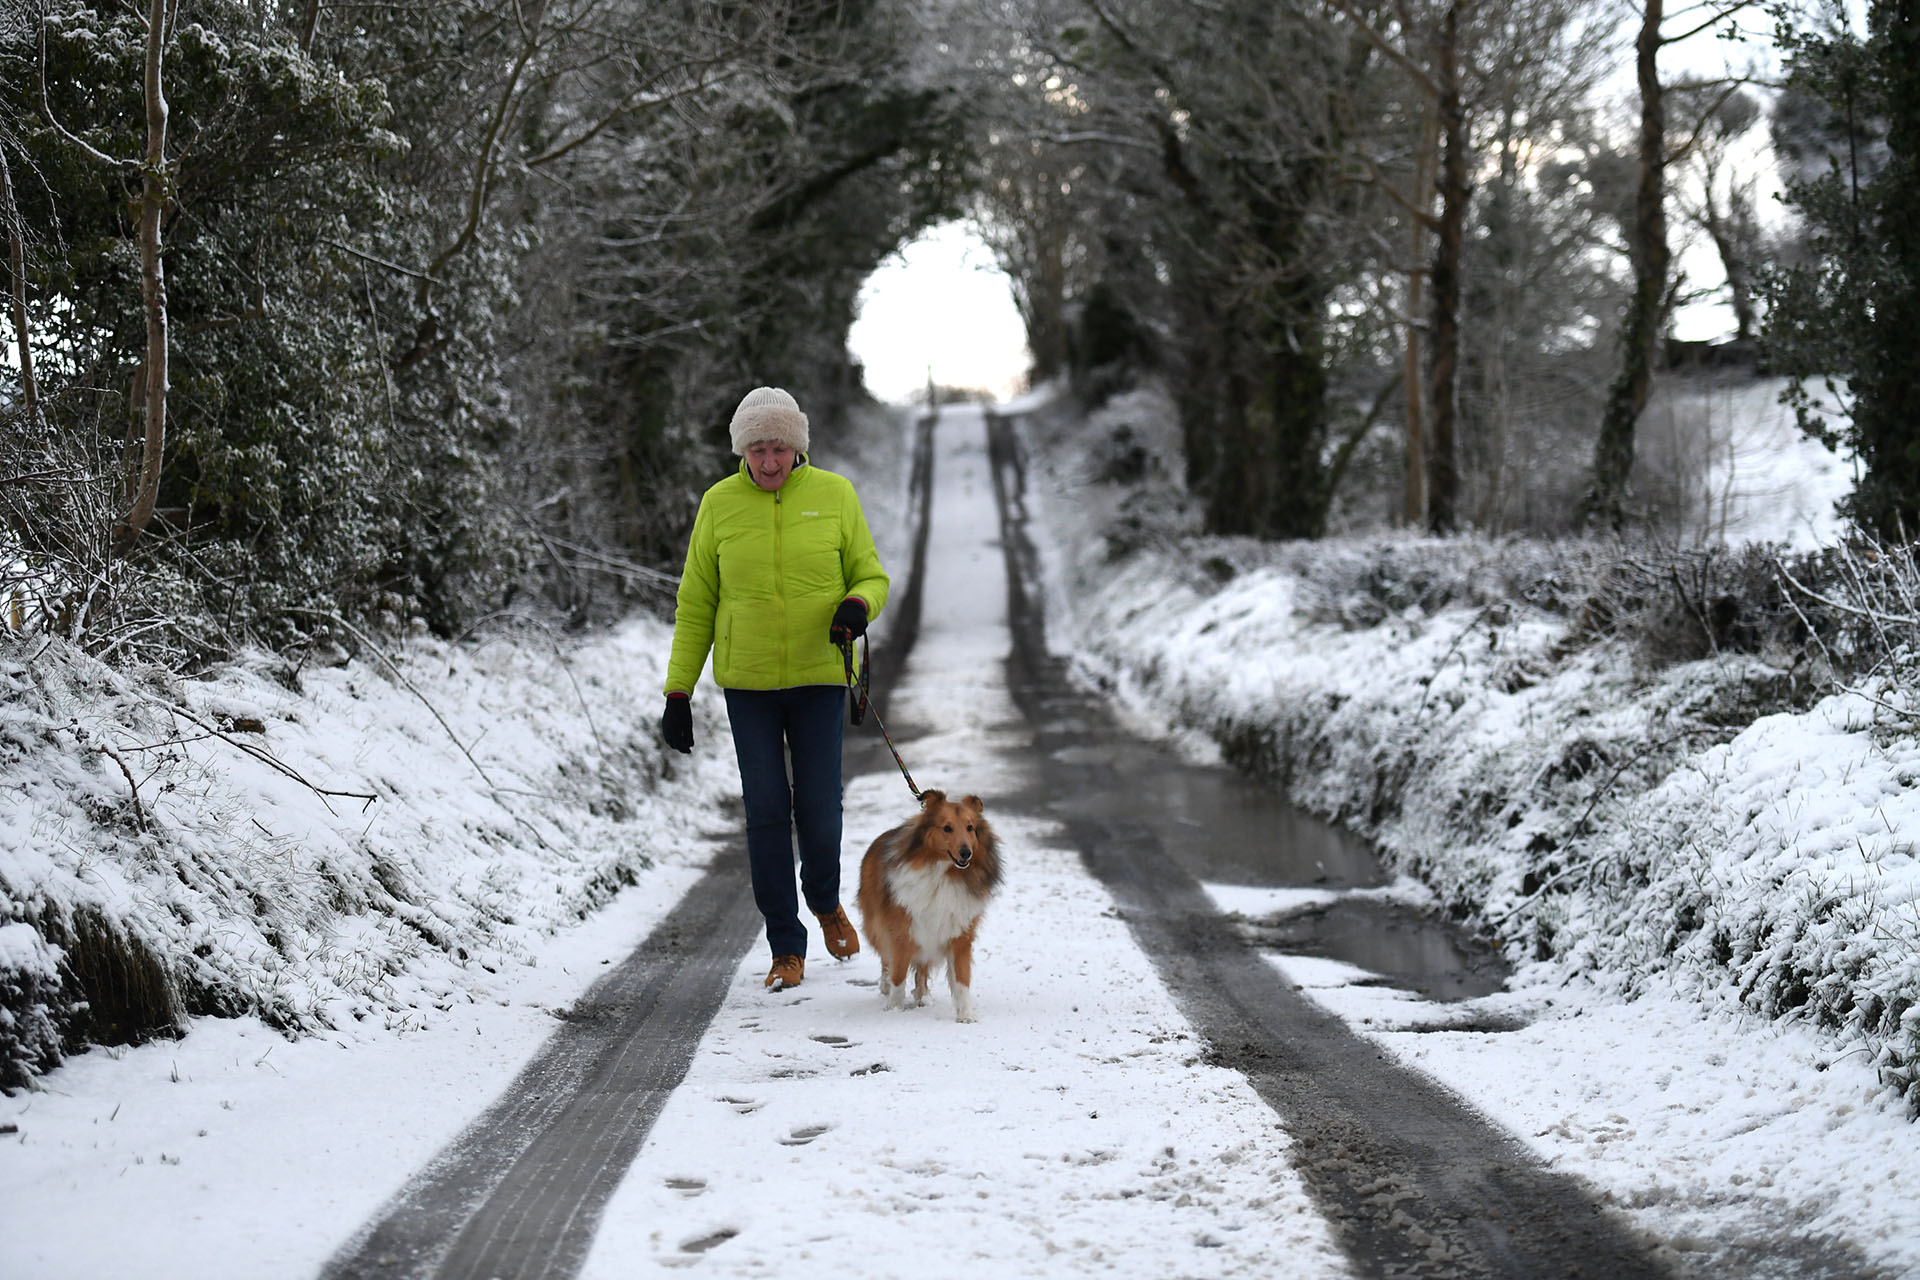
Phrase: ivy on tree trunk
(1606, 500)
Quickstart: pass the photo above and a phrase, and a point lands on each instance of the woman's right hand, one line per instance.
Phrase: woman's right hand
(676, 723)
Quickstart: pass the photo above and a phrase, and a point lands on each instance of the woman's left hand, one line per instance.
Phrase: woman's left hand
(849, 622)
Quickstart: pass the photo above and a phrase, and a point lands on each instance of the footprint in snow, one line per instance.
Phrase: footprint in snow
(745, 1106)
(688, 1187)
(700, 1244)
(802, 1136)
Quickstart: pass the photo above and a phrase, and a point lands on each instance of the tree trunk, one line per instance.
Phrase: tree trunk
(1733, 263)
(1044, 303)
(1297, 497)
(1414, 503)
(1205, 410)
(1606, 500)
(1443, 474)
(1286, 431)
(1736, 254)
(1489, 365)
(153, 286)
(17, 296)
(1734, 237)
(1255, 418)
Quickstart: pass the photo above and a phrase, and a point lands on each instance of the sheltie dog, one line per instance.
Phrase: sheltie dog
(923, 887)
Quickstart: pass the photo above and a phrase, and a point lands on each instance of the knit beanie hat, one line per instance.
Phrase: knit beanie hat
(768, 413)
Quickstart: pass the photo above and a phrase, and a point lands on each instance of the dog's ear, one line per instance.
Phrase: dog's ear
(974, 803)
(928, 799)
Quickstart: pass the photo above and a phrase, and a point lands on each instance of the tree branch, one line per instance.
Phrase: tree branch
(503, 113)
(1393, 52)
(46, 109)
(1719, 15)
(382, 262)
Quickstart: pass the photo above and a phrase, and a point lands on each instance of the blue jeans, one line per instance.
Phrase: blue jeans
(771, 727)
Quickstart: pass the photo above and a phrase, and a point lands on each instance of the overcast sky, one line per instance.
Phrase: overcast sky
(940, 302)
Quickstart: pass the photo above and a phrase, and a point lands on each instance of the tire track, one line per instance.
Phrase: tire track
(519, 1192)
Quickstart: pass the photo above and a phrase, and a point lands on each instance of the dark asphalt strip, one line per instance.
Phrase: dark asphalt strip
(519, 1193)
(1415, 1182)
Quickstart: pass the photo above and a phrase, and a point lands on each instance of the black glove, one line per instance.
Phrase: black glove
(849, 622)
(676, 724)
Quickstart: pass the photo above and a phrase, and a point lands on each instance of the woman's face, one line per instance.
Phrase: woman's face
(769, 462)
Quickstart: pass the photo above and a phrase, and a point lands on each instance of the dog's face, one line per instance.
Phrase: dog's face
(951, 828)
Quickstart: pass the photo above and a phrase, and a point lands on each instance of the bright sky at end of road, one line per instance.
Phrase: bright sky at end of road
(942, 302)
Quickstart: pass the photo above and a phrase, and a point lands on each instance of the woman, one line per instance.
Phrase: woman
(781, 570)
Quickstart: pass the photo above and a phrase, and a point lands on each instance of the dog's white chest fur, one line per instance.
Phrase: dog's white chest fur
(940, 905)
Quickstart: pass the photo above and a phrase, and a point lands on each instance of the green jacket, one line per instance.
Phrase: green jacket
(764, 573)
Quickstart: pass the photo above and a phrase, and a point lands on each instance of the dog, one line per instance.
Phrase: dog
(923, 888)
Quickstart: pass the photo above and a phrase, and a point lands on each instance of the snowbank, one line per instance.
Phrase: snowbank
(319, 847)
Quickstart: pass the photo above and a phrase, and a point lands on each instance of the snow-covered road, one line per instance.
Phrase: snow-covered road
(1080, 1125)
(1071, 1130)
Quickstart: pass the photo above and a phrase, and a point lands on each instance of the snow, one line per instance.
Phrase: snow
(821, 1129)
(236, 1152)
(1761, 478)
(22, 948)
(517, 790)
(1078, 1125)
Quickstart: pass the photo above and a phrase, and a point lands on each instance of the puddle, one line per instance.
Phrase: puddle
(1220, 826)
(1405, 947)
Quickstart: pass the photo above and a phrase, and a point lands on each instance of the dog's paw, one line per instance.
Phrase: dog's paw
(962, 1004)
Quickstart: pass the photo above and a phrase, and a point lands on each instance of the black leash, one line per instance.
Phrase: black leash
(858, 705)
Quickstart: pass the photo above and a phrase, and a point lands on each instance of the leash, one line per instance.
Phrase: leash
(858, 706)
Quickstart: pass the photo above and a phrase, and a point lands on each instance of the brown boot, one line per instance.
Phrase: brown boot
(787, 972)
(841, 940)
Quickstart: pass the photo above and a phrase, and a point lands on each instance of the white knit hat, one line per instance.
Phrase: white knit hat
(768, 413)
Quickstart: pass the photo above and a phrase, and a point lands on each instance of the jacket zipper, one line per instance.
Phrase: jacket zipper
(780, 580)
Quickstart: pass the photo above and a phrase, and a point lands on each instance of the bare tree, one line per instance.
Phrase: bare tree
(1216, 181)
(1536, 264)
(1722, 205)
(1651, 259)
(1429, 52)
(1452, 57)
(555, 76)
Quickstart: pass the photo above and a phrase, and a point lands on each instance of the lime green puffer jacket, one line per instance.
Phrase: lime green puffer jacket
(764, 573)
